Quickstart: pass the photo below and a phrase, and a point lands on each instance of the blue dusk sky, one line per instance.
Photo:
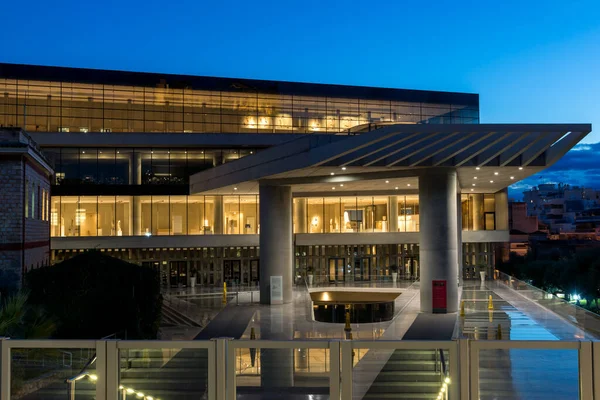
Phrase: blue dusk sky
(531, 61)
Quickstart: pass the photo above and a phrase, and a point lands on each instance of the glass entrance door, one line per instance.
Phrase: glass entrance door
(254, 272)
(411, 268)
(362, 269)
(232, 271)
(178, 273)
(337, 270)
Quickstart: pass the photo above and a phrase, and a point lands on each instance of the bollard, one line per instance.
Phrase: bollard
(491, 315)
(499, 332)
(252, 351)
(224, 301)
(347, 327)
(490, 303)
(462, 308)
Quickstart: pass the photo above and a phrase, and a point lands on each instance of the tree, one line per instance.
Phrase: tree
(93, 295)
(20, 320)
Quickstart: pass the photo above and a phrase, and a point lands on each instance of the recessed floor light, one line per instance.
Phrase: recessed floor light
(495, 173)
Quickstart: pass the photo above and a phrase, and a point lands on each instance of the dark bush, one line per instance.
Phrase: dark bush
(93, 295)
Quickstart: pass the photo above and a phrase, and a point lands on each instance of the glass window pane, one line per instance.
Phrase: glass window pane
(106, 216)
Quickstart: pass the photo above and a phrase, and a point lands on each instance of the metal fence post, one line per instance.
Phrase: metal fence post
(4, 369)
(473, 370)
(334, 370)
(113, 368)
(346, 387)
(462, 373)
(101, 369)
(596, 371)
(586, 365)
(221, 368)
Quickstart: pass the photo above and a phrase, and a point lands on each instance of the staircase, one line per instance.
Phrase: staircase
(408, 374)
(172, 317)
(167, 374)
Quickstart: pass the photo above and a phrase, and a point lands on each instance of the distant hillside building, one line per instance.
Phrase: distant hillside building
(24, 212)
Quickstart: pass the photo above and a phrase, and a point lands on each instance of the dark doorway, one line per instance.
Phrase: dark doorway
(362, 269)
(232, 271)
(178, 273)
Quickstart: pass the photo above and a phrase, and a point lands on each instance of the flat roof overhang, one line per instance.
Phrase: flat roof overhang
(387, 160)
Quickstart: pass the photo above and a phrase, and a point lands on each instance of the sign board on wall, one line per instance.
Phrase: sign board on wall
(276, 290)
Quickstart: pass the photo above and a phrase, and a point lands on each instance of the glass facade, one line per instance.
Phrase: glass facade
(151, 215)
(135, 166)
(197, 215)
(43, 106)
(241, 265)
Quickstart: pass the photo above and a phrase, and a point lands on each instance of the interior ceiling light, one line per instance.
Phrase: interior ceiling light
(343, 168)
(495, 173)
(234, 188)
(333, 173)
(333, 188)
(472, 190)
(473, 184)
(474, 177)
(341, 184)
(491, 181)
(387, 181)
(520, 168)
(477, 168)
(408, 184)
(512, 177)
(396, 188)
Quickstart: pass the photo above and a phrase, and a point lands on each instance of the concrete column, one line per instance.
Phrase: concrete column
(459, 234)
(276, 240)
(501, 209)
(300, 216)
(478, 212)
(218, 215)
(137, 215)
(437, 236)
(277, 365)
(393, 214)
(135, 169)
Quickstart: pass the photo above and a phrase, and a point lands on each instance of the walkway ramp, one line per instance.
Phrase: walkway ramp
(231, 322)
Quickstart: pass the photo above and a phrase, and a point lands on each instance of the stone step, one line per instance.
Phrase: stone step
(406, 387)
(408, 376)
(163, 373)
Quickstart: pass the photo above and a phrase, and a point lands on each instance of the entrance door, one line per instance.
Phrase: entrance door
(337, 270)
(362, 269)
(178, 273)
(411, 268)
(232, 271)
(254, 272)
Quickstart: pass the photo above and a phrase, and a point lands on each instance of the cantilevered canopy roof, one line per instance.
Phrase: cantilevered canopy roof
(488, 157)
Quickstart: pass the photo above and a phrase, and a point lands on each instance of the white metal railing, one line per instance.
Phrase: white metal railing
(340, 376)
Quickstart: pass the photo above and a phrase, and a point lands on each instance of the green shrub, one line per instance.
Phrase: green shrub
(93, 295)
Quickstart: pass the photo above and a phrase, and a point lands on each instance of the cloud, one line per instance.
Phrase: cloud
(579, 167)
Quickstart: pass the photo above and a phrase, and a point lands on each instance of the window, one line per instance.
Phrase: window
(26, 199)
